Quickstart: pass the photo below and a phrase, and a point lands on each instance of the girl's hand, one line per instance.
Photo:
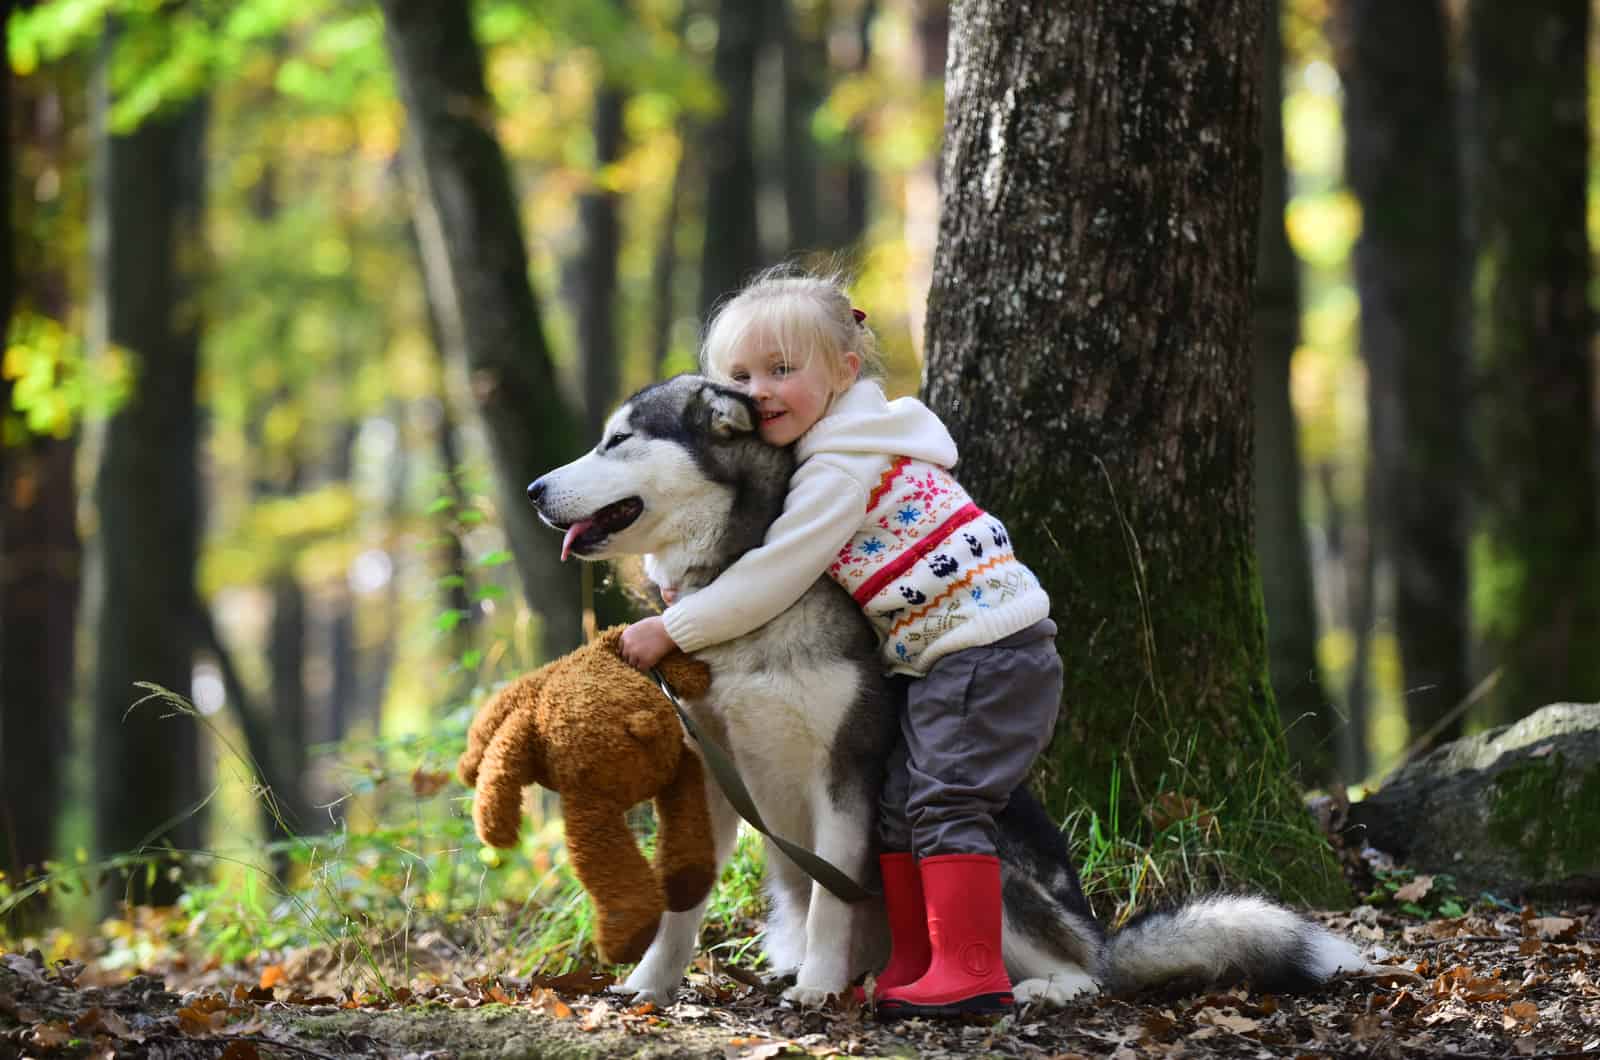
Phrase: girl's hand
(646, 643)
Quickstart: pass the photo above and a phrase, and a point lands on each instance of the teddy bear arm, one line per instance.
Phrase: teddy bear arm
(686, 854)
(687, 675)
(511, 761)
(520, 693)
(627, 897)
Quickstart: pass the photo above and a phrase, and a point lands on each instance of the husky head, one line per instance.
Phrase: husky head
(679, 473)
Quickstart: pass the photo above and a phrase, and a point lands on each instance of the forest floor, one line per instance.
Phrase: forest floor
(1507, 984)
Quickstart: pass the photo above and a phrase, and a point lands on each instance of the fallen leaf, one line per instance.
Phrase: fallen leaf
(546, 1001)
(595, 1017)
(99, 1021)
(1416, 890)
(238, 1050)
(1520, 1013)
(583, 981)
(756, 1048)
(425, 783)
(197, 1023)
(271, 976)
(1366, 1027)
(1554, 928)
(49, 1035)
(1227, 1019)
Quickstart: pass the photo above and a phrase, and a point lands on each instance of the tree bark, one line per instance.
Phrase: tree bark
(1303, 705)
(597, 270)
(476, 267)
(664, 273)
(926, 65)
(805, 65)
(40, 552)
(148, 239)
(845, 221)
(732, 249)
(1088, 344)
(1401, 159)
(1540, 596)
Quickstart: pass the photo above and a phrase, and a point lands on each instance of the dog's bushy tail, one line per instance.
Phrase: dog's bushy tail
(1223, 939)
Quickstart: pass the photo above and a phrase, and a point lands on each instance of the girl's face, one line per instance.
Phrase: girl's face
(792, 397)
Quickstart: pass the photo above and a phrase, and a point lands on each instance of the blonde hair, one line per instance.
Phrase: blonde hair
(802, 315)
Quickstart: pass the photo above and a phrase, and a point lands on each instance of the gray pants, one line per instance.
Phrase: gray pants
(969, 732)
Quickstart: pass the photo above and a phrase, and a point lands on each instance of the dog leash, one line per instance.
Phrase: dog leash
(721, 765)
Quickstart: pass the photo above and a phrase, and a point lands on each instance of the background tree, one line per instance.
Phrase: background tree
(1308, 717)
(477, 276)
(1401, 157)
(598, 217)
(732, 248)
(1090, 309)
(1539, 603)
(148, 201)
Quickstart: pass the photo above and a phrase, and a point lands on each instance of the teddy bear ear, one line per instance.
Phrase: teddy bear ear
(729, 412)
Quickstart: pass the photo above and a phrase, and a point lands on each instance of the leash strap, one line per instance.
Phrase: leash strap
(721, 765)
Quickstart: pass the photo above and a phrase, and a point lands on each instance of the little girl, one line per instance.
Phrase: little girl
(873, 504)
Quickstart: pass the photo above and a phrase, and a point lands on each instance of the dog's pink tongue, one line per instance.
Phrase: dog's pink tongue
(572, 535)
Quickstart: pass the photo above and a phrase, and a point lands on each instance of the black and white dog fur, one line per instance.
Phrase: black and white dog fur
(802, 707)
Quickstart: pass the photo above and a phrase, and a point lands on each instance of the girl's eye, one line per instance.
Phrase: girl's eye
(740, 377)
(780, 370)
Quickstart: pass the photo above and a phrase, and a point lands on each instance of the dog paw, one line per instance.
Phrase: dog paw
(1056, 990)
(641, 990)
(779, 976)
(808, 996)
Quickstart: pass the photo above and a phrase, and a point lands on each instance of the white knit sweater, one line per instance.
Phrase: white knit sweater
(873, 504)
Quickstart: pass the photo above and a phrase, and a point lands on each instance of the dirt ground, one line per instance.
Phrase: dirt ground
(1505, 985)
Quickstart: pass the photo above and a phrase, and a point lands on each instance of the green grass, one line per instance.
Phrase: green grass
(1176, 848)
(404, 864)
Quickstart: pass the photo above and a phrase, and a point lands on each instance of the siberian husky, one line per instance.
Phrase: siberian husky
(803, 709)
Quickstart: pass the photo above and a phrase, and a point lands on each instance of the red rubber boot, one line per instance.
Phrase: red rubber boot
(967, 973)
(908, 923)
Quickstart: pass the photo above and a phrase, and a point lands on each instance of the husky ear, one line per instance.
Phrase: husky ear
(729, 413)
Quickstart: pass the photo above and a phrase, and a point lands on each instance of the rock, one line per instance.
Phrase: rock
(1514, 811)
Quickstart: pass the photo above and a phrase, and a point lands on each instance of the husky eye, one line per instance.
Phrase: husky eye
(617, 439)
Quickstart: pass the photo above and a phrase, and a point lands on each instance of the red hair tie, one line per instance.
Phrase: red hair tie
(859, 314)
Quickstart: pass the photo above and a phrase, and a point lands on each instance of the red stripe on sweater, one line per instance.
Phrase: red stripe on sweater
(903, 562)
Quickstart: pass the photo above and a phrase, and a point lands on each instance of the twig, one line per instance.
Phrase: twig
(1482, 689)
(1427, 943)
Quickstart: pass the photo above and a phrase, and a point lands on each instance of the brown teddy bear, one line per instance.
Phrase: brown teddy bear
(602, 736)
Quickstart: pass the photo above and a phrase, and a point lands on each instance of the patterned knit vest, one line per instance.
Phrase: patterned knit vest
(927, 561)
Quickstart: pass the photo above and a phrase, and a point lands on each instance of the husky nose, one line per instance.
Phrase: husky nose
(536, 490)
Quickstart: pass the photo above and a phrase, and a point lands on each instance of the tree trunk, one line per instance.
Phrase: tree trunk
(847, 180)
(1303, 704)
(926, 63)
(805, 65)
(476, 267)
(1401, 159)
(732, 248)
(149, 194)
(664, 273)
(1088, 343)
(41, 555)
(290, 703)
(1541, 546)
(597, 269)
